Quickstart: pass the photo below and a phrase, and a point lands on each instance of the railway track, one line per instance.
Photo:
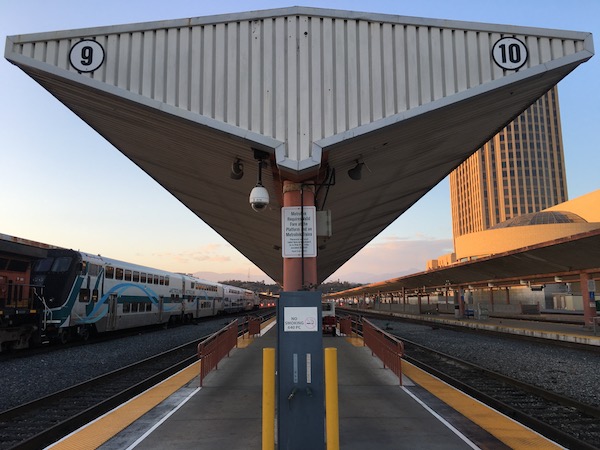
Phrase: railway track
(566, 421)
(44, 421)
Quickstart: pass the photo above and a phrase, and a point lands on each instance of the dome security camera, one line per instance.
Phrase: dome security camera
(259, 198)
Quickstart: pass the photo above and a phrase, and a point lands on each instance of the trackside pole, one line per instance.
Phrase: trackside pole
(331, 399)
(268, 400)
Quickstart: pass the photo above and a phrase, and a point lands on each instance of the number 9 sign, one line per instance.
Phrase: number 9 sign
(510, 53)
(86, 56)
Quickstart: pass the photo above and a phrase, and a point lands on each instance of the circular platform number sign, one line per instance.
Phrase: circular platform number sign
(509, 53)
(86, 56)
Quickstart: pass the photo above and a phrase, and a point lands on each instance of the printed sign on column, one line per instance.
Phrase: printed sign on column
(300, 319)
(296, 231)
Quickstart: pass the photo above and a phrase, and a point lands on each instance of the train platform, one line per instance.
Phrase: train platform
(556, 327)
(375, 411)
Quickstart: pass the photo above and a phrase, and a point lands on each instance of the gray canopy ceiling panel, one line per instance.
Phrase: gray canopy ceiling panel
(316, 89)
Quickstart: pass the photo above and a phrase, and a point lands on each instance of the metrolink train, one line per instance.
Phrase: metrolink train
(77, 294)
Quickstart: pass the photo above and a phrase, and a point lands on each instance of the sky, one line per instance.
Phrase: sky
(63, 184)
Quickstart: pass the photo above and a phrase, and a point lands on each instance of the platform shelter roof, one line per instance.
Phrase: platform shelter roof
(562, 260)
(318, 90)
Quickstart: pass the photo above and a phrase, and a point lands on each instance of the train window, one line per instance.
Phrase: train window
(83, 267)
(155, 279)
(193, 284)
(93, 270)
(118, 273)
(110, 272)
(4, 262)
(126, 307)
(161, 280)
(127, 274)
(167, 280)
(148, 307)
(43, 265)
(136, 276)
(143, 277)
(95, 295)
(61, 264)
(134, 307)
(84, 295)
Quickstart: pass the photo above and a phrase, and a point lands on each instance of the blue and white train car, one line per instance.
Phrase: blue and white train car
(201, 298)
(82, 293)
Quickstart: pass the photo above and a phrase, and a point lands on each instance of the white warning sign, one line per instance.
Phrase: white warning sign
(299, 234)
(300, 319)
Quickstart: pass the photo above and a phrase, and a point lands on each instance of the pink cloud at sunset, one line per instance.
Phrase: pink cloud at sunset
(392, 257)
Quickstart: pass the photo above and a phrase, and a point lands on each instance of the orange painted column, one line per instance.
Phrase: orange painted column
(589, 304)
(293, 272)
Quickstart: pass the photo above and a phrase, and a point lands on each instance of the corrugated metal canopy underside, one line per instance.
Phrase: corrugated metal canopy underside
(457, 102)
(565, 258)
(405, 160)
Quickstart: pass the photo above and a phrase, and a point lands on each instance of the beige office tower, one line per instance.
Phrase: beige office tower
(520, 171)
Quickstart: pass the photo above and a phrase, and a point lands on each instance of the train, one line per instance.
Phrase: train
(76, 294)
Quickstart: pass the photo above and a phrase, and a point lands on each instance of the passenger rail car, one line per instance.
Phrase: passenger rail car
(81, 293)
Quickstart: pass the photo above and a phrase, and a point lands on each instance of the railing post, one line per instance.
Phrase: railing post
(332, 425)
(268, 399)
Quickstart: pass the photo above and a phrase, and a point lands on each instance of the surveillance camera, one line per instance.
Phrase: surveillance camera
(259, 198)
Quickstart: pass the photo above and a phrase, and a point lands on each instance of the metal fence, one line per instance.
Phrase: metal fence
(214, 348)
(385, 346)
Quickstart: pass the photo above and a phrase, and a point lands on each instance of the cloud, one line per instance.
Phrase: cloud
(392, 257)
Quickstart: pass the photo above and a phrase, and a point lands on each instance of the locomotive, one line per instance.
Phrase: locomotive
(78, 294)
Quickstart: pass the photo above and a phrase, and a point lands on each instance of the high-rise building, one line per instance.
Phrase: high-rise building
(520, 170)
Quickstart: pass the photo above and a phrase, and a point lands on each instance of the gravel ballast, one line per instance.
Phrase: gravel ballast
(28, 378)
(569, 372)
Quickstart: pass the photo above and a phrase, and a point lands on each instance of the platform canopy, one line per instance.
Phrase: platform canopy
(318, 90)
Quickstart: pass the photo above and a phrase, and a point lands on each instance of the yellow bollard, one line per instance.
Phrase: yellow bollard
(268, 399)
(332, 422)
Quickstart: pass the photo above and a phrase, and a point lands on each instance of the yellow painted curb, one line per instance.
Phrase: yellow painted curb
(107, 426)
(513, 434)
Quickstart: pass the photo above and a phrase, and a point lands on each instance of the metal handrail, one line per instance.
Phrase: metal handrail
(215, 347)
(385, 346)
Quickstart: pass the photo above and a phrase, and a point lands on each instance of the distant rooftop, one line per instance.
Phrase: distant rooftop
(541, 218)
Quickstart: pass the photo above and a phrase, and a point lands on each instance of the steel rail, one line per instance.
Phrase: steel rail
(41, 422)
(562, 419)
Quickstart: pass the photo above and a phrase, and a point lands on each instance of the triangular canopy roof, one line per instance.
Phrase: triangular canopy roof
(317, 89)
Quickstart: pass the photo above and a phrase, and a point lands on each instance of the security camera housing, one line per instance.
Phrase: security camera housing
(259, 198)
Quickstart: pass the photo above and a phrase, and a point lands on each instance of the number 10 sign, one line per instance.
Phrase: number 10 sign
(510, 53)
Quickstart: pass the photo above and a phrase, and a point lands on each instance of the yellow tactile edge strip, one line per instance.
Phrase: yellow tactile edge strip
(105, 427)
(513, 434)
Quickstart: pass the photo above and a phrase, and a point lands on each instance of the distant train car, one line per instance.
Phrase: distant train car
(268, 300)
(82, 294)
(251, 300)
(201, 299)
(233, 299)
(328, 317)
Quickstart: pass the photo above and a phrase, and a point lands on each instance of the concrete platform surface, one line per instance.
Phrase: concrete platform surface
(225, 414)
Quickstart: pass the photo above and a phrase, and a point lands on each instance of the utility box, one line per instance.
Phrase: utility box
(300, 372)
